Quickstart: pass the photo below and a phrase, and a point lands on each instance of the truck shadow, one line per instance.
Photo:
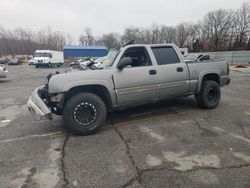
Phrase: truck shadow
(4, 81)
(164, 107)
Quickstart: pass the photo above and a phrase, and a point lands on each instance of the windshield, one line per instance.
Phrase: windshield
(99, 59)
(111, 56)
(40, 54)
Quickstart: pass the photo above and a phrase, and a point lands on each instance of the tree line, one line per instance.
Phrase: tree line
(219, 30)
(23, 41)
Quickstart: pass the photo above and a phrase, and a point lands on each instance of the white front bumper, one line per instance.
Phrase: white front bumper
(37, 107)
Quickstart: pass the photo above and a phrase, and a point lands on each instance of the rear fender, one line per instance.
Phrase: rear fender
(202, 75)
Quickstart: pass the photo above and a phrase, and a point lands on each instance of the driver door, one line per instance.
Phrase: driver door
(137, 83)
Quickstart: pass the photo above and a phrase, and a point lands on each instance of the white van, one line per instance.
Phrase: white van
(48, 58)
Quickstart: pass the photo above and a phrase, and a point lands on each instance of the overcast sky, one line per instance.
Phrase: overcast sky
(103, 16)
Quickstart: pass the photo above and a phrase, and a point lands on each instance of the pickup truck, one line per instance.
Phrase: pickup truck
(137, 74)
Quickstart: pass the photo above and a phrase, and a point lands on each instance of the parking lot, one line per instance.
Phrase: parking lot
(168, 144)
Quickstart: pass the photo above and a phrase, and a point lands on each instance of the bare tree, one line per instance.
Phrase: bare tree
(111, 40)
(216, 28)
(182, 34)
(87, 39)
(24, 41)
(242, 23)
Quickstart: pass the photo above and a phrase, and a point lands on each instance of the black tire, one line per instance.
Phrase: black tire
(37, 66)
(80, 106)
(209, 96)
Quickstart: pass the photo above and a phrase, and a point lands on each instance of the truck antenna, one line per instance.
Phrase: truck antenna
(130, 42)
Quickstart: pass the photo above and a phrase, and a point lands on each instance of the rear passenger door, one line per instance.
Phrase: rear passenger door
(173, 75)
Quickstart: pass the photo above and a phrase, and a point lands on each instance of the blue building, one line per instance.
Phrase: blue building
(84, 51)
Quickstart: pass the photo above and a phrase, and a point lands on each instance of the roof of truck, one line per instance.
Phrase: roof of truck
(85, 47)
(46, 51)
(85, 51)
(152, 45)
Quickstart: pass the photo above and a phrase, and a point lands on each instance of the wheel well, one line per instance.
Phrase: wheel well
(99, 90)
(215, 77)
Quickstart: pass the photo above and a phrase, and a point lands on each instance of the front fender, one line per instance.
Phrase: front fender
(108, 86)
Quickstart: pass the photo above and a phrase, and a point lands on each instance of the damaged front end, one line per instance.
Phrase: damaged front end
(37, 104)
(41, 104)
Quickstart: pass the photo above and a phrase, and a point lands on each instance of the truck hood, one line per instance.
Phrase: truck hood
(60, 83)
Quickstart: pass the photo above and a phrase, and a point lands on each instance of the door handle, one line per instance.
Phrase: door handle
(179, 69)
(152, 72)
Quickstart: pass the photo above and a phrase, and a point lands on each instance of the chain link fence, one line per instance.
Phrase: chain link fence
(233, 57)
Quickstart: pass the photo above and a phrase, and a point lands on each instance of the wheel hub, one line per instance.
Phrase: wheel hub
(212, 95)
(85, 113)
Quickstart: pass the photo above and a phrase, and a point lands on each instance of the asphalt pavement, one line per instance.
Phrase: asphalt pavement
(168, 144)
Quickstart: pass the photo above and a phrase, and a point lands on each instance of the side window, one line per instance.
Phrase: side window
(139, 56)
(165, 55)
(50, 55)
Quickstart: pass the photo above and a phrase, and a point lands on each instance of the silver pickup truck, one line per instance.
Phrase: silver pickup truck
(136, 74)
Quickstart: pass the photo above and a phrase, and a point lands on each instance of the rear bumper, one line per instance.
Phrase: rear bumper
(37, 106)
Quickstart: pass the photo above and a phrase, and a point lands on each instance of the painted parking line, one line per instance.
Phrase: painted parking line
(32, 136)
(247, 113)
(152, 134)
(232, 134)
(6, 121)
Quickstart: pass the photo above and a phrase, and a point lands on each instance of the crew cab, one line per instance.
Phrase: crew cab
(137, 74)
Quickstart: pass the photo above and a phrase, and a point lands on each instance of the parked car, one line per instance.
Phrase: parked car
(31, 61)
(16, 61)
(197, 57)
(99, 63)
(3, 71)
(3, 60)
(136, 75)
(92, 64)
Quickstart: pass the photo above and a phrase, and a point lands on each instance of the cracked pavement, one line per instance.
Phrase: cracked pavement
(168, 144)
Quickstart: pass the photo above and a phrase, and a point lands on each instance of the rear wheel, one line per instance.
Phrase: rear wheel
(84, 113)
(210, 94)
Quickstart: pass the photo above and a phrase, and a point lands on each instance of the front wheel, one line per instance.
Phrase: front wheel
(210, 94)
(84, 113)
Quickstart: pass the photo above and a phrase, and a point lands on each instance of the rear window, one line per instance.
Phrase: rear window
(165, 55)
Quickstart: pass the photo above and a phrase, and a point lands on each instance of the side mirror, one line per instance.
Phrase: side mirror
(124, 62)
